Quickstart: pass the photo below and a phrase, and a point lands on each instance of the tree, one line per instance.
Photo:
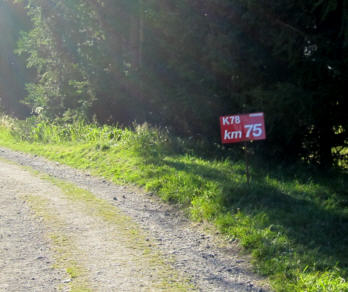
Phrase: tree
(13, 74)
(308, 42)
(181, 64)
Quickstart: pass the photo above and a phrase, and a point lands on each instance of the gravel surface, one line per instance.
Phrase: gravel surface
(26, 260)
(210, 262)
(99, 254)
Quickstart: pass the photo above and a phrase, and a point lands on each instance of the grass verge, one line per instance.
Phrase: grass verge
(293, 221)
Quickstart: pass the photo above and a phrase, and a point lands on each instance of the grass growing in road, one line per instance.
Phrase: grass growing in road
(131, 235)
(294, 221)
(62, 245)
(124, 231)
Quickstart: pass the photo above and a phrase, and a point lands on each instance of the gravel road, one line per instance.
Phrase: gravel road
(27, 257)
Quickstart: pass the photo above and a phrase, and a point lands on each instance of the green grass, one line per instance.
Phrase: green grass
(292, 220)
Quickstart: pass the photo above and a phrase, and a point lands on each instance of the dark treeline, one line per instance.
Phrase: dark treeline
(13, 74)
(181, 64)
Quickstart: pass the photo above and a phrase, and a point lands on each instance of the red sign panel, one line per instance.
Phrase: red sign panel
(239, 128)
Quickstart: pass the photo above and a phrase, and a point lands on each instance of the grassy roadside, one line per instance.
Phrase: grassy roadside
(293, 222)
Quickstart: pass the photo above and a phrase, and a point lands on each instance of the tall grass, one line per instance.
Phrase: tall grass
(43, 131)
(294, 221)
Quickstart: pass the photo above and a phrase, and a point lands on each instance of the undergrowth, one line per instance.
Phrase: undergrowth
(294, 221)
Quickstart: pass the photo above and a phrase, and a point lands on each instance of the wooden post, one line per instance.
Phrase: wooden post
(247, 162)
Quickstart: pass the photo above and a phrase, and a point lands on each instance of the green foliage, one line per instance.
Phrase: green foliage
(51, 47)
(294, 220)
(13, 74)
(180, 65)
(243, 56)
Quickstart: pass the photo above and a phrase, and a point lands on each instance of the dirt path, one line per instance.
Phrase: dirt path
(25, 256)
(54, 236)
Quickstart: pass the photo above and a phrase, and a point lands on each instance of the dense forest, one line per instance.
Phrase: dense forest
(182, 64)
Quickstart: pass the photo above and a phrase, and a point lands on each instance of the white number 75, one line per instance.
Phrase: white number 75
(256, 130)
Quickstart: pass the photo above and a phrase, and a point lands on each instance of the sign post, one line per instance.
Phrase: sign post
(246, 162)
(243, 128)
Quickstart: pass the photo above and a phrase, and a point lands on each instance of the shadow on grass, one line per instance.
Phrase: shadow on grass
(312, 227)
(205, 171)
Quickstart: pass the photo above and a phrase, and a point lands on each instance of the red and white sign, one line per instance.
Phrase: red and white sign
(239, 128)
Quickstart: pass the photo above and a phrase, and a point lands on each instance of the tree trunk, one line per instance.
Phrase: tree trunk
(136, 36)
